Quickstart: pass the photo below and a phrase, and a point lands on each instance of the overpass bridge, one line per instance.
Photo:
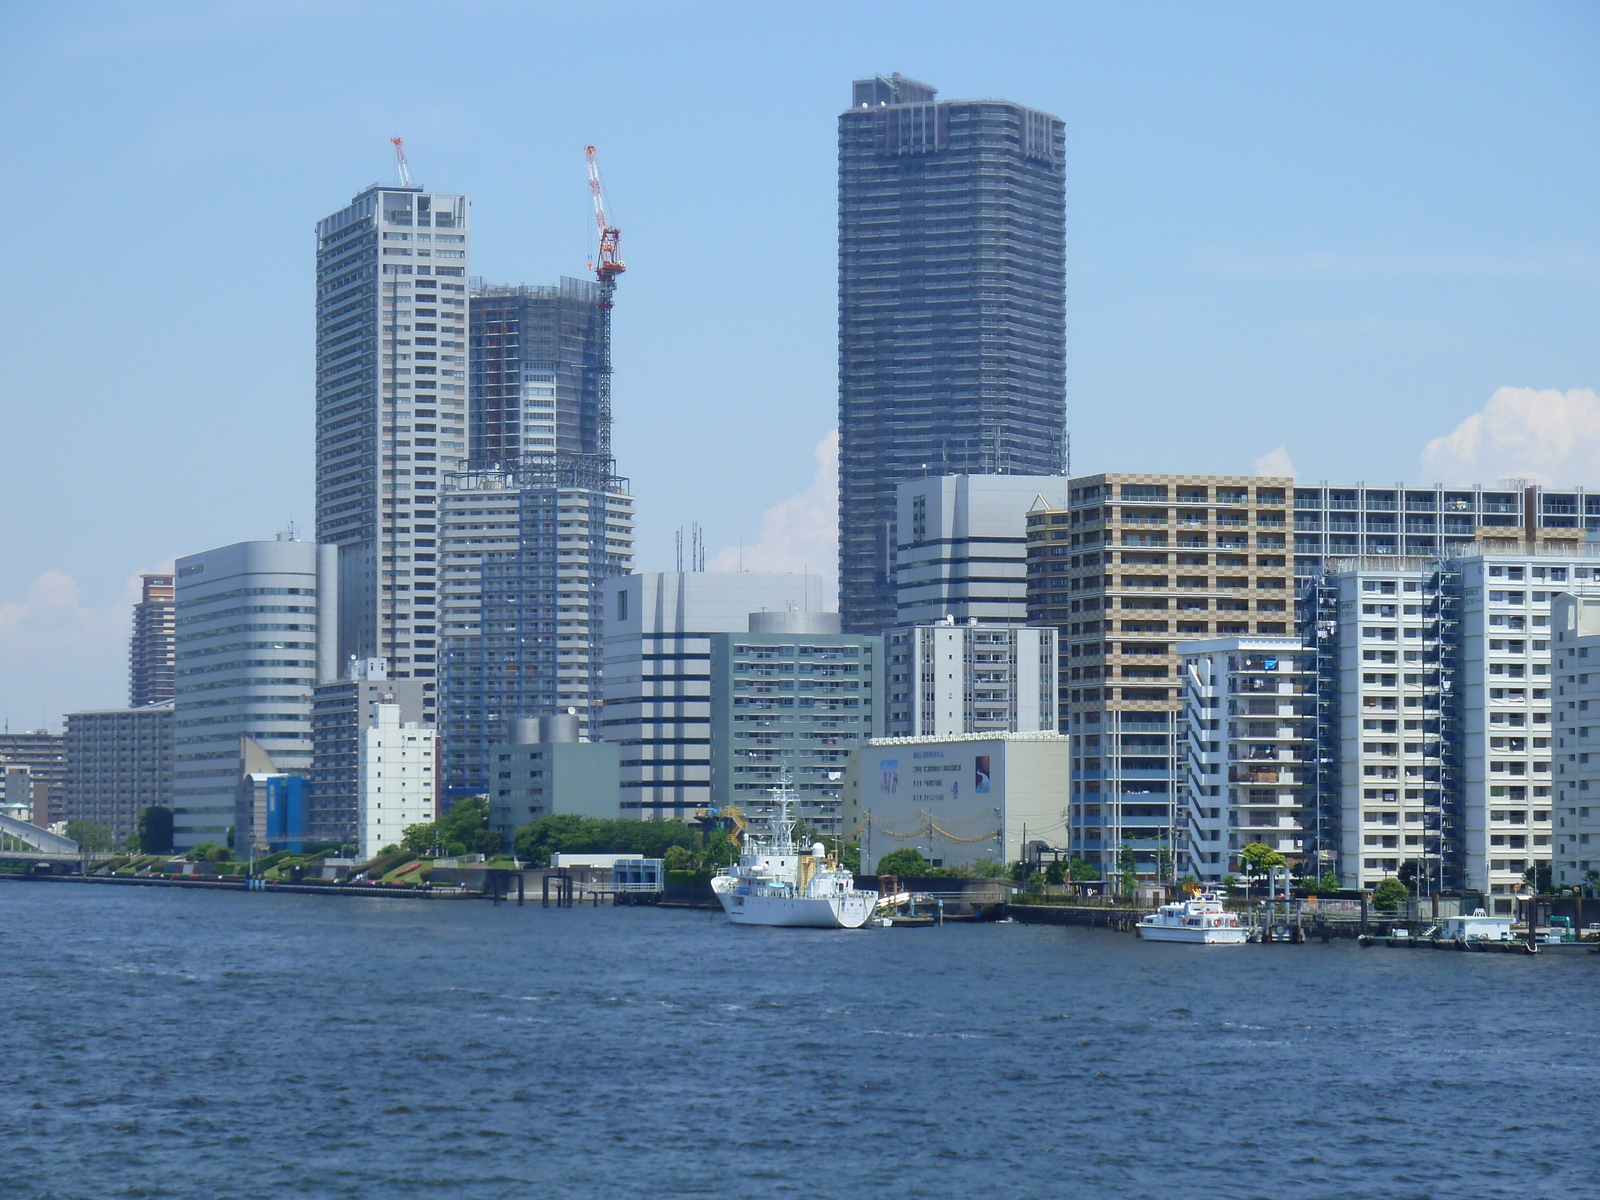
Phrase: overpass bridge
(18, 835)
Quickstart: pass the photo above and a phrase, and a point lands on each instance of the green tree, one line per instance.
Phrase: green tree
(1258, 858)
(1035, 881)
(1391, 894)
(91, 838)
(985, 868)
(721, 852)
(465, 823)
(1230, 884)
(677, 858)
(848, 854)
(904, 862)
(420, 838)
(210, 852)
(1083, 871)
(1128, 864)
(155, 830)
(1539, 878)
(1328, 881)
(1164, 867)
(1055, 872)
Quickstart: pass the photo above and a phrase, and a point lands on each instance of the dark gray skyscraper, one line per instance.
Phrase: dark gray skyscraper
(951, 309)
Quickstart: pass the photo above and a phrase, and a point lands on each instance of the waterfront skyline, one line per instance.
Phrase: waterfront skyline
(1258, 225)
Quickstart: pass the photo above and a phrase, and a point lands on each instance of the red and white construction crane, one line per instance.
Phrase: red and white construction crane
(400, 162)
(607, 267)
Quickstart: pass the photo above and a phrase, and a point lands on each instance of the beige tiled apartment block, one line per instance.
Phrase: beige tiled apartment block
(1135, 564)
(1139, 562)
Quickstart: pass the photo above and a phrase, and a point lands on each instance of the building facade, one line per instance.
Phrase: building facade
(951, 309)
(528, 554)
(391, 412)
(945, 679)
(967, 799)
(962, 546)
(1437, 714)
(1575, 676)
(45, 755)
(657, 681)
(150, 650)
(119, 762)
(543, 770)
(534, 381)
(249, 655)
(791, 695)
(340, 711)
(394, 779)
(1357, 521)
(1248, 748)
(1135, 563)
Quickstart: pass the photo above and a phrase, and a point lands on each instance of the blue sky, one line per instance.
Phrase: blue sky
(1341, 230)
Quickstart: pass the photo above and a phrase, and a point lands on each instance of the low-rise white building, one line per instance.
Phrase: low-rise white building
(949, 678)
(1248, 751)
(961, 798)
(395, 779)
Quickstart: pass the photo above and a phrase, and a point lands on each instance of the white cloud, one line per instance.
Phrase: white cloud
(1275, 462)
(59, 653)
(801, 533)
(1544, 435)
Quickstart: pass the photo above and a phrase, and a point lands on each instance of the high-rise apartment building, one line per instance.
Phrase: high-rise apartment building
(1356, 520)
(951, 309)
(535, 375)
(1575, 676)
(533, 530)
(119, 762)
(1436, 721)
(339, 712)
(791, 695)
(251, 649)
(658, 631)
(962, 546)
(1248, 752)
(45, 755)
(1135, 563)
(527, 552)
(150, 661)
(949, 678)
(394, 781)
(391, 412)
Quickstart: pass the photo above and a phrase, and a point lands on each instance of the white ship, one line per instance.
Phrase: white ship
(776, 882)
(1201, 920)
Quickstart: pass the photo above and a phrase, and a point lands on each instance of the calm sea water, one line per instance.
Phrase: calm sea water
(174, 1043)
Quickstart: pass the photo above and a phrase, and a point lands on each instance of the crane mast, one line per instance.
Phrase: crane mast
(400, 161)
(607, 267)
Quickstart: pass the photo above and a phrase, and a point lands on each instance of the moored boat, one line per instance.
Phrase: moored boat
(776, 882)
(1201, 920)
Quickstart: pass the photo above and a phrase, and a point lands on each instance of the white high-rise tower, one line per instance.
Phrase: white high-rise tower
(392, 272)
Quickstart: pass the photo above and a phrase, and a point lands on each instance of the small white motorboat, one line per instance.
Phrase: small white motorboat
(1201, 919)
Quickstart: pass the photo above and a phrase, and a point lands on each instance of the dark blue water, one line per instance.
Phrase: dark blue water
(174, 1043)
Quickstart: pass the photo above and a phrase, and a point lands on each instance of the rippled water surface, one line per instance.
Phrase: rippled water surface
(179, 1043)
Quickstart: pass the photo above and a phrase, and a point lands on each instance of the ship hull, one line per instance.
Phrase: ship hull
(807, 912)
(1223, 936)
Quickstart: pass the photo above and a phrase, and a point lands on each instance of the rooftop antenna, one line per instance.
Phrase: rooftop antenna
(400, 161)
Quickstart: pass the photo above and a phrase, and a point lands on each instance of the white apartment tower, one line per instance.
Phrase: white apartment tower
(1437, 717)
(391, 412)
(1576, 678)
(1248, 750)
(948, 678)
(394, 779)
